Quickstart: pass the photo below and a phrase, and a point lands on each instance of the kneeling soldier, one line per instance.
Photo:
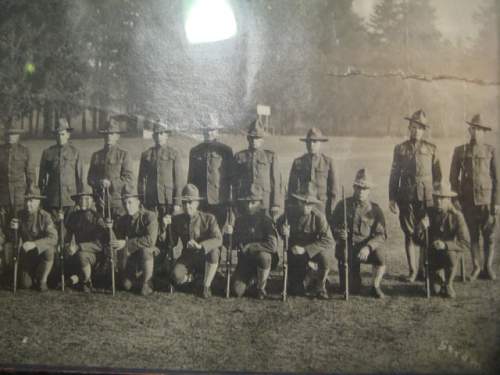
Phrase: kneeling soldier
(257, 242)
(85, 236)
(39, 239)
(448, 240)
(136, 233)
(364, 235)
(201, 238)
(310, 240)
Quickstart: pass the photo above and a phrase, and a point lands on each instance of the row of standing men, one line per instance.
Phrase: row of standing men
(250, 178)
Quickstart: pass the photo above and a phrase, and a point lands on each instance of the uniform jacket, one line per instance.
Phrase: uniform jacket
(259, 167)
(202, 228)
(140, 230)
(38, 228)
(88, 228)
(312, 232)
(160, 176)
(473, 174)
(449, 227)
(210, 171)
(115, 165)
(71, 171)
(17, 172)
(365, 224)
(415, 168)
(319, 170)
(257, 230)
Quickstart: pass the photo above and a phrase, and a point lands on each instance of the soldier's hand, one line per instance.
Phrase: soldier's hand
(425, 223)
(393, 207)
(194, 245)
(176, 209)
(298, 250)
(286, 230)
(71, 249)
(118, 244)
(439, 245)
(106, 183)
(14, 224)
(29, 245)
(275, 212)
(167, 220)
(364, 253)
(228, 229)
(108, 224)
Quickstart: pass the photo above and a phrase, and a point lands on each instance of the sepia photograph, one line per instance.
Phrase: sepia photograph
(249, 186)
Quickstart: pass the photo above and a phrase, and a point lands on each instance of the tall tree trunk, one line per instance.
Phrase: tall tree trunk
(37, 123)
(31, 123)
(84, 121)
(48, 114)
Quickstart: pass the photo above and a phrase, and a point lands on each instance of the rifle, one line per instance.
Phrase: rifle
(170, 255)
(346, 250)
(229, 249)
(17, 246)
(109, 225)
(60, 214)
(426, 256)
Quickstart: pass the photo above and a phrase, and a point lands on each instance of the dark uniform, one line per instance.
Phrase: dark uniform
(114, 164)
(210, 172)
(365, 227)
(159, 181)
(257, 233)
(71, 172)
(140, 232)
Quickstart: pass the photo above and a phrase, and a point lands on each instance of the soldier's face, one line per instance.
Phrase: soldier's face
(255, 143)
(442, 203)
(190, 207)
(313, 147)
(12, 138)
(131, 205)
(111, 138)
(304, 208)
(86, 202)
(361, 194)
(476, 134)
(252, 206)
(416, 131)
(62, 137)
(210, 135)
(32, 205)
(160, 139)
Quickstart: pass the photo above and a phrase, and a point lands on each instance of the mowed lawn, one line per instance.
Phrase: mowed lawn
(403, 333)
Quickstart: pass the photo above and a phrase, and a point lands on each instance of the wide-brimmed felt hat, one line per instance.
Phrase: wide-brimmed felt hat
(190, 193)
(363, 179)
(86, 191)
(314, 134)
(443, 190)
(14, 128)
(420, 118)
(130, 192)
(309, 196)
(256, 130)
(62, 124)
(113, 125)
(33, 192)
(476, 122)
(254, 193)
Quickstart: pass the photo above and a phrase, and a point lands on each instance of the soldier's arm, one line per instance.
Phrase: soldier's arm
(269, 242)
(42, 172)
(214, 239)
(293, 179)
(79, 173)
(141, 178)
(495, 198)
(395, 175)
(275, 182)
(323, 241)
(191, 169)
(436, 167)
(49, 239)
(332, 188)
(149, 239)
(462, 240)
(127, 174)
(177, 180)
(91, 174)
(378, 230)
(337, 219)
(455, 169)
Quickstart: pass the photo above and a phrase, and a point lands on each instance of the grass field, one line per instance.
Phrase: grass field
(403, 333)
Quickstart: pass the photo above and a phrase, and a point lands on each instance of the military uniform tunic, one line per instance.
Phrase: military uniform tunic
(70, 170)
(319, 170)
(257, 167)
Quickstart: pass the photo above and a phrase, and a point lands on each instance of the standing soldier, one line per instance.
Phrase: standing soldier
(364, 236)
(61, 172)
(85, 239)
(448, 240)
(310, 240)
(159, 181)
(415, 168)
(39, 239)
(473, 176)
(201, 239)
(111, 168)
(17, 173)
(255, 166)
(209, 170)
(317, 168)
(135, 243)
(257, 244)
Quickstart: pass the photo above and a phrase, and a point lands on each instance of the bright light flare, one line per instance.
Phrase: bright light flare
(210, 21)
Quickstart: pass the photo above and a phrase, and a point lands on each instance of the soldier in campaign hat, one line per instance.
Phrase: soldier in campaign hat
(415, 168)
(473, 175)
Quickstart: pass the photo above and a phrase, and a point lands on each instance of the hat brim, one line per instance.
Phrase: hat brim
(255, 135)
(417, 122)
(308, 200)
(482, 127)
(126, 196)
(34, 196)
(250, 199)
(314, 139)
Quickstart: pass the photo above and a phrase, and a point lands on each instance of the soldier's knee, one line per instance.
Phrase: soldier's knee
(239, 288)
(147, 254)
(49, 255)
(213, 256)
(324, 261)
(180, 274)
(264, 260)
(82, 258)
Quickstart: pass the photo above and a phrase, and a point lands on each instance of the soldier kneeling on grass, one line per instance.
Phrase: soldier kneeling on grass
(364, 235)
(448, 240)
(84, 240)
(310, 242)
(136, 234)
(257, 241)
(201, 239)
(38, 238)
